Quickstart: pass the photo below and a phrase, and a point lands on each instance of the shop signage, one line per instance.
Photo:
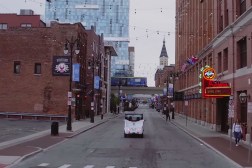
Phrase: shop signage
(61, 66)
(210, 87)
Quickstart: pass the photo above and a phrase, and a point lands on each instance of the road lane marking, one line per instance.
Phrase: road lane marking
(43, 164)
(132, 167)
(65, 166)
(110, 166)
(89, 166)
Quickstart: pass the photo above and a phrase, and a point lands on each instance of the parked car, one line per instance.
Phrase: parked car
(133, 124)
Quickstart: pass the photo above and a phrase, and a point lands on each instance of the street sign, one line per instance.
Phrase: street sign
(69, 94)
(69, 101)
(231, 109)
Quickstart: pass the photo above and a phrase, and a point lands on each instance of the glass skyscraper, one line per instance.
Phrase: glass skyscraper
(110, 17)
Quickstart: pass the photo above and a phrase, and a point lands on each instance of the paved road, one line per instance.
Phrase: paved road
(163, 146)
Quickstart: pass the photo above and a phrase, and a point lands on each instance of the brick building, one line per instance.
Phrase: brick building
(218, 33)
(29, 59)
(26, 18)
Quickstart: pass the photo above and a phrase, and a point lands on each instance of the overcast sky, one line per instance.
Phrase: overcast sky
(150, 22)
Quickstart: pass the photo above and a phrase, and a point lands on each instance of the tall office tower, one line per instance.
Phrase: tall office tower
(132, 60)
(109, 17)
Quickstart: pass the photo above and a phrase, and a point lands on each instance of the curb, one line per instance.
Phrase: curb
(24, 157)
(90, 127)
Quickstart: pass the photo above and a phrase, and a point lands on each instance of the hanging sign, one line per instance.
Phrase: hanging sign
(97, 82)
(210, 86)
(76, 73)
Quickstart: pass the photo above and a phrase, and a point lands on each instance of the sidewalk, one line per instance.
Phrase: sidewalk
(14, 151)
(219, 142)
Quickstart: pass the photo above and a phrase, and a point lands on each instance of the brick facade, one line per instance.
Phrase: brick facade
(219, 34)
(42, 93)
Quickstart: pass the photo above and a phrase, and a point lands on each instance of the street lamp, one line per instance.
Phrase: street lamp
(71, 44)
(243, 97)
(119, 95)
(94, 65)
(173, 77)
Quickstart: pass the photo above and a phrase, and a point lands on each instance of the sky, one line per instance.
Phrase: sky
(151, 21)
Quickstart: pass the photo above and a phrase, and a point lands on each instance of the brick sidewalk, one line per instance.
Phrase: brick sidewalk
(217, 141)
(238, 154)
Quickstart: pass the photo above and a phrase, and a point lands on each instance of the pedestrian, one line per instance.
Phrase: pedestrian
(237, 131)
(167, 115)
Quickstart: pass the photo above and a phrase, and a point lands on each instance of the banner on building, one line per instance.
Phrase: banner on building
(61, 66)
(97, 82)
(76, 73)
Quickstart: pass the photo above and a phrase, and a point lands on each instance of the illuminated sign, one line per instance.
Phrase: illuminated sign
(209, 73)
(217, 91)
(210, 87)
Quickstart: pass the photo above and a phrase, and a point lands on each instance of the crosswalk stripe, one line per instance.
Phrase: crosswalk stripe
(65, 166)
(110, 166)
(43, 164)
(89, 166)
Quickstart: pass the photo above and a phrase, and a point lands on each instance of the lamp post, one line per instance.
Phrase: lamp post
(173, 77)
(119, 95)
(94, 65)
(71, 44)
(243, 97)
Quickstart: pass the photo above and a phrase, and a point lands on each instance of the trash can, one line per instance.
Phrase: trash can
(55, 128)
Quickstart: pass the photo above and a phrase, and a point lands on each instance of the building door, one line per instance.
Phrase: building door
(222, 113)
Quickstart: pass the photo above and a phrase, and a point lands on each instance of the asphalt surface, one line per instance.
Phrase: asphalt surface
(217, 142)
(105, 146)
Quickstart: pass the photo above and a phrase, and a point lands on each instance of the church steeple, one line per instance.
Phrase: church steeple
(163, 56)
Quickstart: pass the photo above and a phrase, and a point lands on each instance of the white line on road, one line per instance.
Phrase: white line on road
(43, 164)
(110, 166)
(132, 167)
(89, 166)
(65, 166)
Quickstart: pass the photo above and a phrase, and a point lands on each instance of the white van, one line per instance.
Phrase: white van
(133, 124)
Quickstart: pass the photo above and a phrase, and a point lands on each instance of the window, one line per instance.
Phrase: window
(225, 59)
(26, 25)
(110, 27)
(242, 53)
(121, 31)
(117, 13)
(3, 26)
(221, 23)
(219, 62)
(17, 66)
(242, 6)
(37, 68)
(226, 18)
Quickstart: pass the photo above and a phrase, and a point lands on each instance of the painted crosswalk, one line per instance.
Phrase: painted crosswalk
(45, 165)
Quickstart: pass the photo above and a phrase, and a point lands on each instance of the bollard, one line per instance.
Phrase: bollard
(55, 128)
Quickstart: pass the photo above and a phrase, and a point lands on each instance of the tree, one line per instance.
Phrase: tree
(114, 101)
